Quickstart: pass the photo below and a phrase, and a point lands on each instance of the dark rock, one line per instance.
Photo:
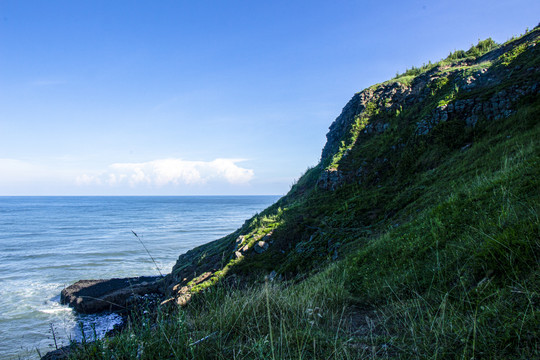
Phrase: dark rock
(60, 353)
(260, 247)
(390, 96)
(330, 179)
(93, 296)
(272, 275)
(146, 301)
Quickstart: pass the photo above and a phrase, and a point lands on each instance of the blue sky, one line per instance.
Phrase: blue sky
(204, 97)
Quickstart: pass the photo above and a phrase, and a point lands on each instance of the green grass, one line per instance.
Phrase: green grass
(271, 320)
(461, 278)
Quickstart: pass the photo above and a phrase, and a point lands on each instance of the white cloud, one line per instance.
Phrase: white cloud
(45, 177)
(170, 172)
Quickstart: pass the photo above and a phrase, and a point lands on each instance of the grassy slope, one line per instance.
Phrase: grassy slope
(439, 250)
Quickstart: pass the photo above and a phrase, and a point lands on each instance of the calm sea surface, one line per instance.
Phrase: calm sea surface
(48, 243)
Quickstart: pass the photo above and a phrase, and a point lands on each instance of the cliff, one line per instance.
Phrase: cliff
(385, 138)
(416, 235)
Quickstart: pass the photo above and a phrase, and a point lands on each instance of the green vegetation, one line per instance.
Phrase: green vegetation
(481, 48)
(475, 51)
(358, 125)
(508, 57)
(463, 274)
(269, 320)
(428, 249)
(415, 71)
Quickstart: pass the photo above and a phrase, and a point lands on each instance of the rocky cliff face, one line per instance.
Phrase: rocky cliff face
(465, 91)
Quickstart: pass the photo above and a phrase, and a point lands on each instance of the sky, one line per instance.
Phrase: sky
(204, 97)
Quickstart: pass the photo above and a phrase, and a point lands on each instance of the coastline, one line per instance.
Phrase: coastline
(49, 243)
(116, 295)
(95, 296)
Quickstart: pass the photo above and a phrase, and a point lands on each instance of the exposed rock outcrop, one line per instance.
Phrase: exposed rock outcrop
(498, 106)
(330, 179)
(260, 247)
(466, 91)
(94, 296)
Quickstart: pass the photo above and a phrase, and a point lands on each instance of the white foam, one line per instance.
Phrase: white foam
(96, 325)
(54, 310)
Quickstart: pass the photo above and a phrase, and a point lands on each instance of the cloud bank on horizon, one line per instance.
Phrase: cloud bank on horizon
(170, 172)
(17, 176)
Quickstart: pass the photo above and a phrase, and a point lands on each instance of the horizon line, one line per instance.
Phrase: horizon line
(141, 195)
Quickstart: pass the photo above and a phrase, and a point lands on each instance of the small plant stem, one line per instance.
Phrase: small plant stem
(167, 339)
(269, 319)
(54, 336)
(148, 252)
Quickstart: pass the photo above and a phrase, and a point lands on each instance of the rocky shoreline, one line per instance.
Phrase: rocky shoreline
(118, 295)
(95, 296)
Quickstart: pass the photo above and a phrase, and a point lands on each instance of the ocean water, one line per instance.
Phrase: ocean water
(48, 243)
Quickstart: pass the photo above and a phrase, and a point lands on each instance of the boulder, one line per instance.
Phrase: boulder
(94, 296)
(260, 247)
(61, 353)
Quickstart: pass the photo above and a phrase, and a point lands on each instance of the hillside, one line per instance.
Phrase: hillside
(416, 235)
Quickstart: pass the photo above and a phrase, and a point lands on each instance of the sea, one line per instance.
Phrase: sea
(48, 243)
